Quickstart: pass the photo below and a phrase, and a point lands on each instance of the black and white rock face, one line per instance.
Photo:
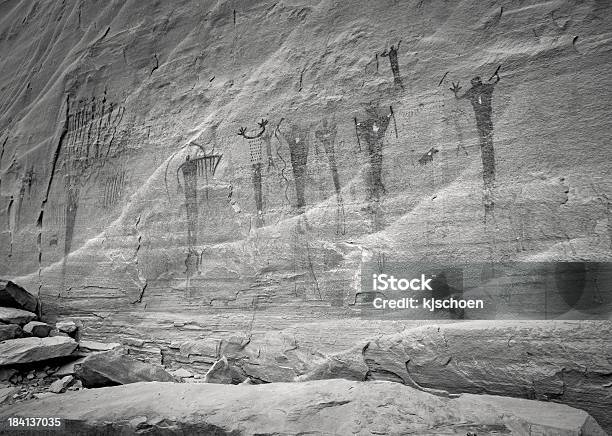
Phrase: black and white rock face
(320, 407)
(195, 179)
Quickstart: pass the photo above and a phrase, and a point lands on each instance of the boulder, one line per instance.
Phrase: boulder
(59, 386)
(10, 331)
(25, 350)
(11, 315)
(13, 295)
(38, 328)
(66, 326)
(113, 368)
(338, 407)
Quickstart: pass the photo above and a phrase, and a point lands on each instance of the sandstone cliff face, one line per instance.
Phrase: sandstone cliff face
(172, 171)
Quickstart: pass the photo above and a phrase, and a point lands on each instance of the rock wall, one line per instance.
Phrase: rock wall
(175, 170)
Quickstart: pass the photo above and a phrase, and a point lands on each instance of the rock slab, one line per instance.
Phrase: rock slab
(13, 295)
(11, 315)
(26, 350)
(331, 407)
(567, 362)
(561, 361)
(113, 368)
(97, 346)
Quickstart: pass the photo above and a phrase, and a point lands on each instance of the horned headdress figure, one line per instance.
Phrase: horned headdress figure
(255, 150)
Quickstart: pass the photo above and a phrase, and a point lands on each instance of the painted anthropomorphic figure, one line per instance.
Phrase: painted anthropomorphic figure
(392, 55)
(480, 96)
(255, 150)
(373, 130)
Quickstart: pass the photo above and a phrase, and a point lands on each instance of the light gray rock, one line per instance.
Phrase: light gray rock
(13, 295)
(182, 373)
(38, 328)
(59, 386)
(25, 350)
(66, 326)
(564, 361)
(330, 407)
(11, 315)
(97, 346)
(112, 368)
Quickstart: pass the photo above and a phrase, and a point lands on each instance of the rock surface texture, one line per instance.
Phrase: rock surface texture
(334, 407)
(26, 350)
(11, 315)
(200, 180)
(13, 295)
(10, 331)
(112, 368)
(38, 329)
(103, 214)
(566, 362)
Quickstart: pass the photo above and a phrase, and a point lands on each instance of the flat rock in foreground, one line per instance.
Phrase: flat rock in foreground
(112, 368)
(13, 295)
(331, 407)
(569, 362)
(26, 350)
